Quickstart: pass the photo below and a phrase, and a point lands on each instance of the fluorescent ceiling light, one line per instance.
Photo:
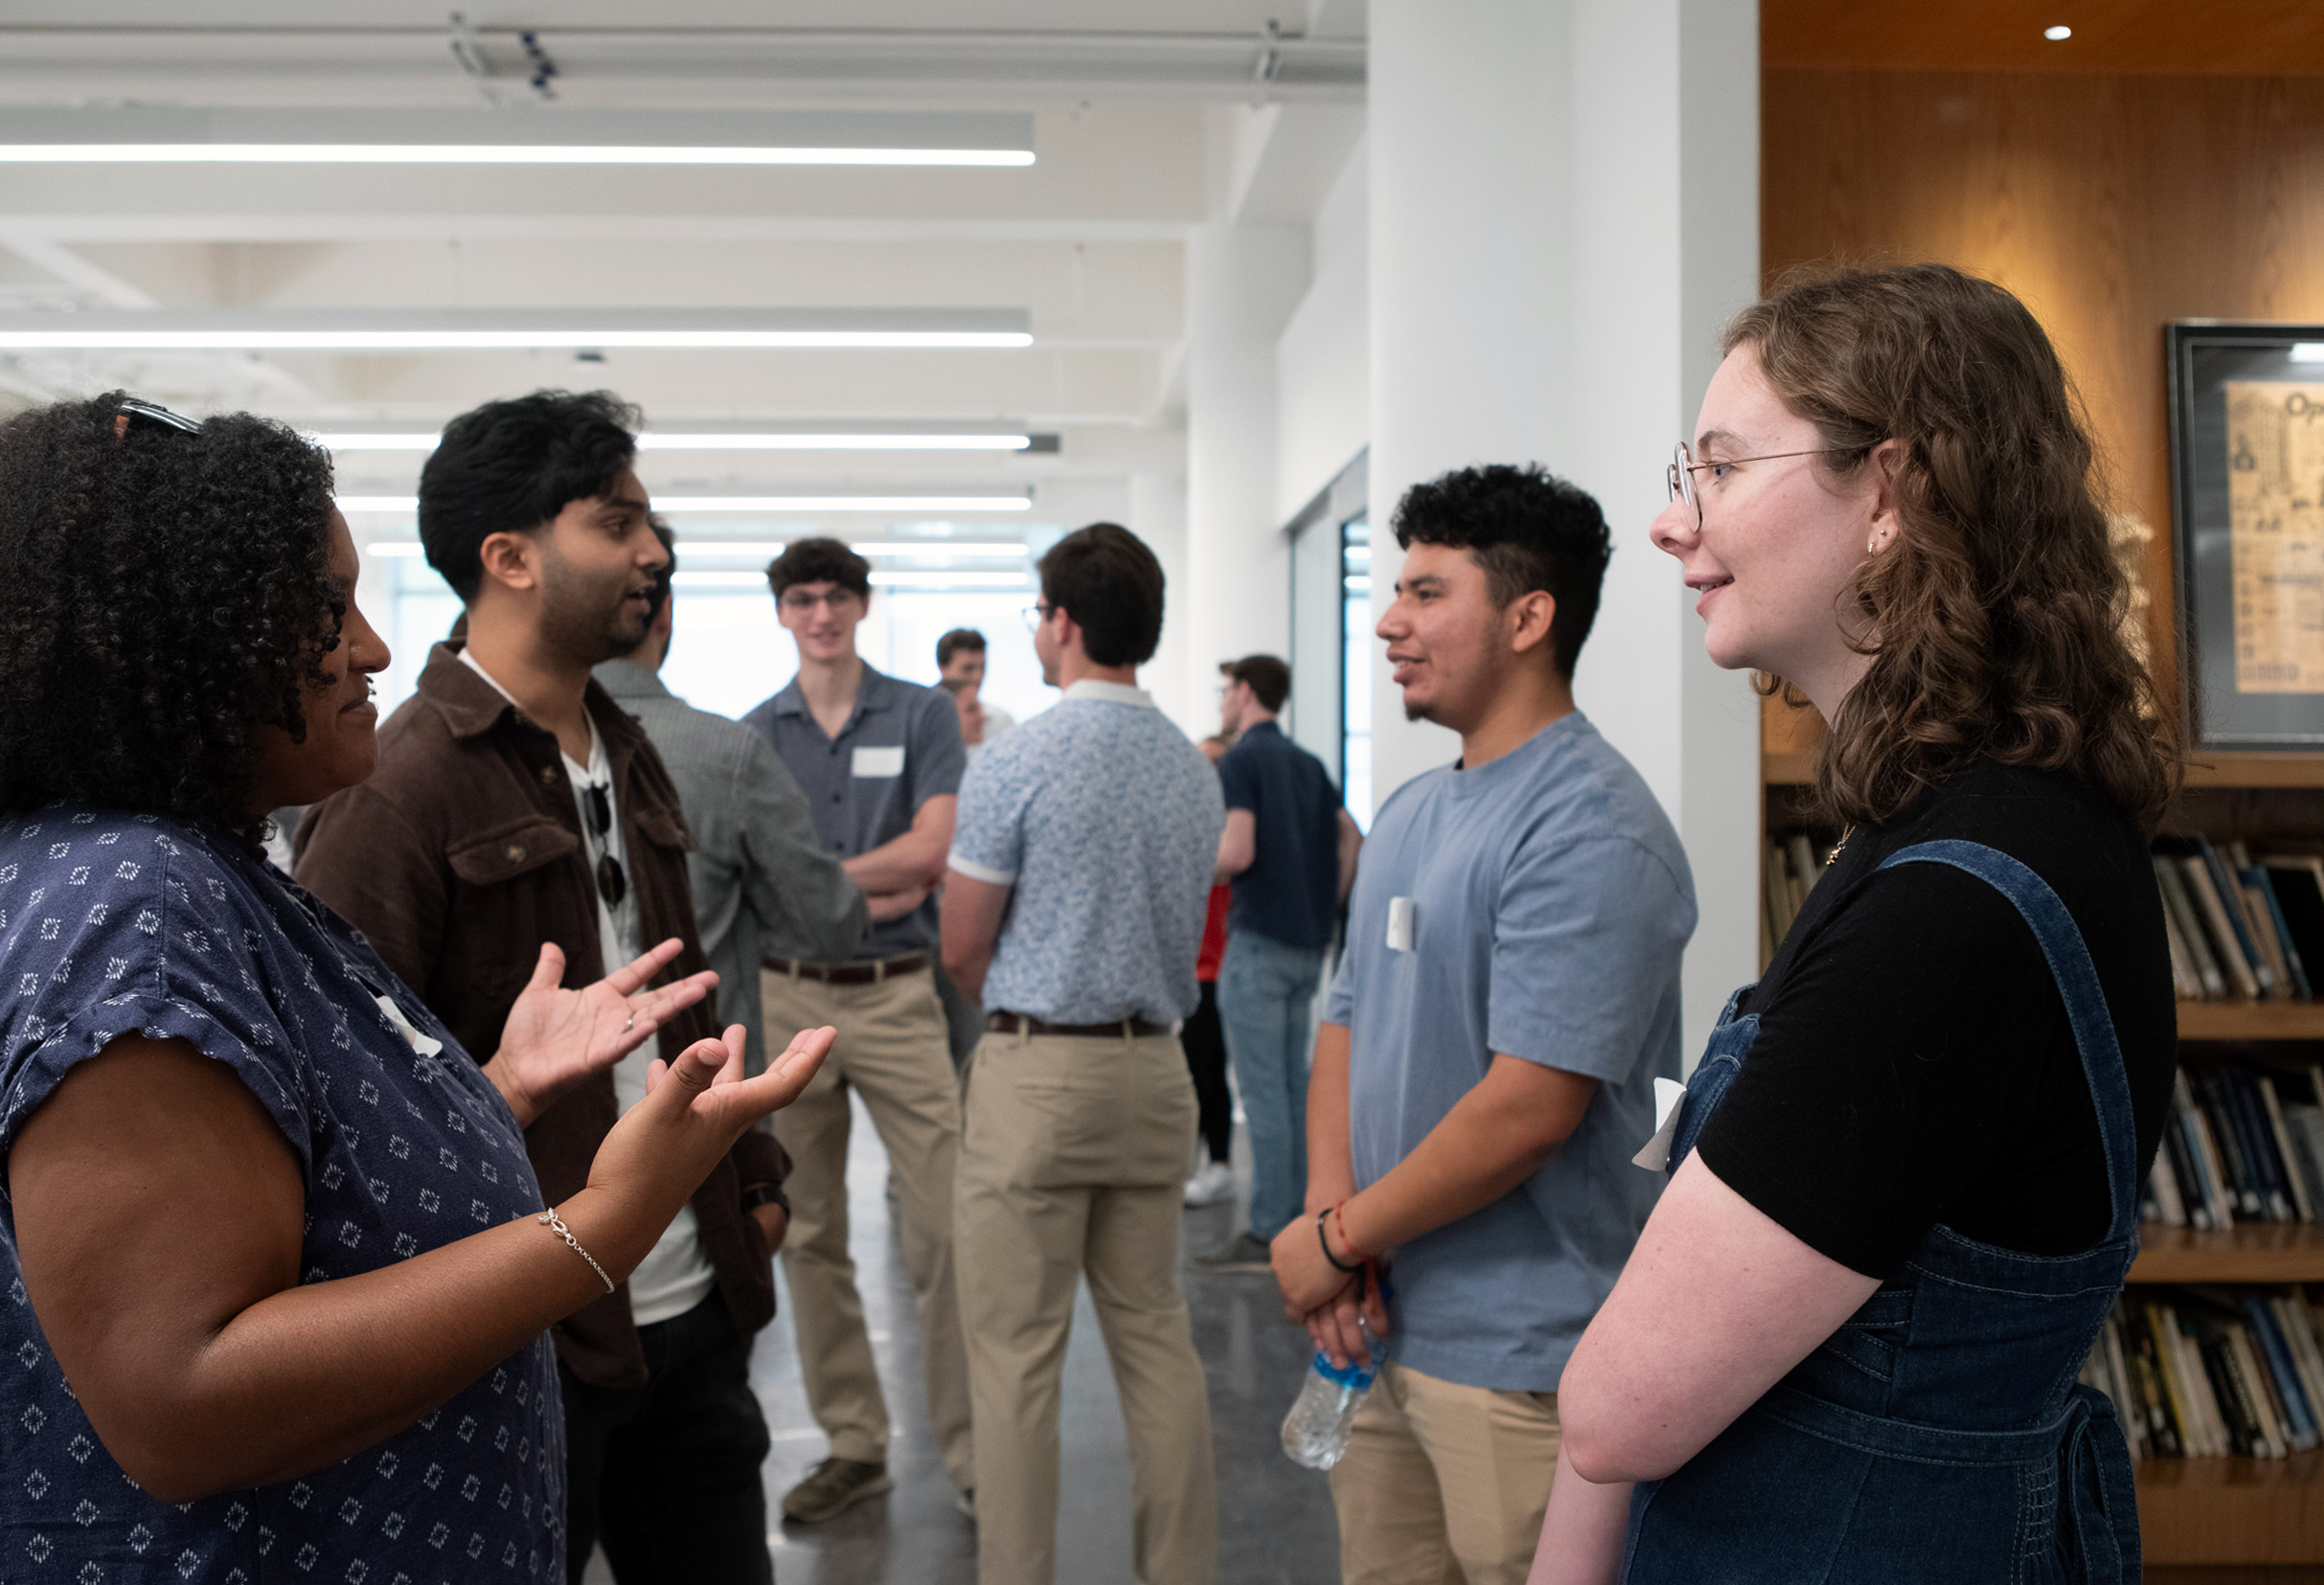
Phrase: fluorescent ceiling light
(719, 580)
(659, 440)
(652, 440)
(841, 503)
(2307, 351)
(760, 503)
(392, 547)
(2057, 35)
(882, 578)
(890, 547)
(407, 329)
(364, 153)
(695, 550)
(535, 135)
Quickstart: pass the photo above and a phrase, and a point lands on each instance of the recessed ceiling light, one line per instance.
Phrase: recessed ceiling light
(2307, 351)
(2057, 34)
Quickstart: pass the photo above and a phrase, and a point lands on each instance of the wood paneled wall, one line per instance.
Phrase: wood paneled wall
(2111, 204)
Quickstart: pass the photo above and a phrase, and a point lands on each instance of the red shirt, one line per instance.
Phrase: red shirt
(1214, 935)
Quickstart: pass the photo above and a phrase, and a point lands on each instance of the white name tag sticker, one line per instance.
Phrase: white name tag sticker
(424, 1045)
(1668, 1094)
(879, 763)
(1400, 924)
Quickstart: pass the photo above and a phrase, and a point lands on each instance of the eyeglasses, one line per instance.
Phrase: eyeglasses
(1036, 614)
(1679, 476)
(611, 884)
(131, 409)
(800, 605)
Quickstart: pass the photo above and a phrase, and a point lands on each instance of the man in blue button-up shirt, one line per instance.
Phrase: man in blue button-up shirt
(1091, 831)
(880, 763)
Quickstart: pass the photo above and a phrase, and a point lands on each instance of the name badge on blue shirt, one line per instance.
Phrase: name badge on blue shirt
(1400, 924)
(879, 763)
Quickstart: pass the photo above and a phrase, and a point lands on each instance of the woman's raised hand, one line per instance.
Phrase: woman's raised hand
(664, 1147)
(555, 1037)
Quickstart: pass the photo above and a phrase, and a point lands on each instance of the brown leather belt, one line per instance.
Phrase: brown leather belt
(849, 974)
(1121, 1029)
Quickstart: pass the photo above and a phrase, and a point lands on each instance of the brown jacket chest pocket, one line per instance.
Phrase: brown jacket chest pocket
(510, 850)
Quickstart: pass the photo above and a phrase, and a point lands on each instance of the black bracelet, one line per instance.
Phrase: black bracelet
(759, 1194)
(1327, 1246)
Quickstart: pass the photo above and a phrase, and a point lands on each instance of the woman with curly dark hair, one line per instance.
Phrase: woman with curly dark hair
(1906, 1172)
(281, 1271)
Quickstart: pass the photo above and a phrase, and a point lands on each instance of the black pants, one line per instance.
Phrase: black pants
(1205, 1044)
(667, 1475)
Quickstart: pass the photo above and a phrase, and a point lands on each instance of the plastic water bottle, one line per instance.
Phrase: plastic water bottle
(1315, 1432)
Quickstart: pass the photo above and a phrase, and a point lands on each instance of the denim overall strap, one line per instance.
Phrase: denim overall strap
(2085, 1004)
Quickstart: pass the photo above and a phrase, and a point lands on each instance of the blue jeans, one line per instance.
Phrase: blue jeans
(1267, 993)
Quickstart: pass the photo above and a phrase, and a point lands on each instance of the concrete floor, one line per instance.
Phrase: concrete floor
(1275, 1520)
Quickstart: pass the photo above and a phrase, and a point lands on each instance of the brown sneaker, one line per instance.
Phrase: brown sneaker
(832, 1487)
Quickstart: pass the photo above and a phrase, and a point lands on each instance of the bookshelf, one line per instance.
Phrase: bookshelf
(2204, 1519)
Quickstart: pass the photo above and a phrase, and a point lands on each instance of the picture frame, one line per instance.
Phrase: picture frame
(2247, 433)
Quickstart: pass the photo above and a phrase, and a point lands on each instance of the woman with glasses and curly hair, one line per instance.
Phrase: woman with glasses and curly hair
(280, 1270)
(1904, 1178)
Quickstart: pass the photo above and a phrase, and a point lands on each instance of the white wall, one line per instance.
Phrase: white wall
(1323, 361)
(1243, 279)
(1471, 157)
(1564, 210)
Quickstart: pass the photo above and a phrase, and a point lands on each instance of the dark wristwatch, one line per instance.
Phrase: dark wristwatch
(759, 1194)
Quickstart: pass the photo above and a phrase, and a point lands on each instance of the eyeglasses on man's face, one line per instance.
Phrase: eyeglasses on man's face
(1036, 614)
(1679, 476)
(798, 603)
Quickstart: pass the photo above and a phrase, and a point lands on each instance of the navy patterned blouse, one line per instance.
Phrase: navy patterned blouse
(113, 925)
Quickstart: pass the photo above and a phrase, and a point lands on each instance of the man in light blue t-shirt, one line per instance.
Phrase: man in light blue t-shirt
(1508, 996)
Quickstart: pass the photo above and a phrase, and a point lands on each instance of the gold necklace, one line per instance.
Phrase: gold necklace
(1840, 849)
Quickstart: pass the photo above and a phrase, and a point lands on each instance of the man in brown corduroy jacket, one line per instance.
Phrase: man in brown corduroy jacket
(515, 803)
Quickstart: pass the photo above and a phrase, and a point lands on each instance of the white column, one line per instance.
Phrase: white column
(1157, 515)
(1565, 211)
(1243, 279)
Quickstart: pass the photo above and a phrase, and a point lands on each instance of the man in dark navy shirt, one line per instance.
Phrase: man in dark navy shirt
(1290, 849)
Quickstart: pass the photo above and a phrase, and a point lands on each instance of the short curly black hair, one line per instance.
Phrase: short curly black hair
(1529, 530)
(510, 467)
(167, 595)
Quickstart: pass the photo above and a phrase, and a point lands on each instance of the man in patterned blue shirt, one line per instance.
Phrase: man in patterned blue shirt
(1080, 864)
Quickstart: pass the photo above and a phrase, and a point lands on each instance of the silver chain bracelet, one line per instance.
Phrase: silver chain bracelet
(555, 1224)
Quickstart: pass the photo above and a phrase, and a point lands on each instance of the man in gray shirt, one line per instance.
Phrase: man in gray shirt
(761, 882)
(880, 763)
(1074, 911)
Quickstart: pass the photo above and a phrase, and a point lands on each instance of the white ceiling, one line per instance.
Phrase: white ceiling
(1131, 102)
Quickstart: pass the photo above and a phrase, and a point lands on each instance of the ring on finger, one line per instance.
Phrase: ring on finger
(632, 1022)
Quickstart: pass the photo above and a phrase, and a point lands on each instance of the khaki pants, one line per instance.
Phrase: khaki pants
(1443, 1484)
(892, 1050)
(1072, 1161)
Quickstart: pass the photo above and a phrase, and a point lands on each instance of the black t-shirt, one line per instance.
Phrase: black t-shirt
(1914, 1065)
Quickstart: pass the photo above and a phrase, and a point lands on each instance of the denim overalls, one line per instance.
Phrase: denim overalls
(1940, 1433)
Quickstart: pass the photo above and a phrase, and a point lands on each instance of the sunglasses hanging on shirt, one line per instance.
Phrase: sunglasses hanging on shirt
(611, 884)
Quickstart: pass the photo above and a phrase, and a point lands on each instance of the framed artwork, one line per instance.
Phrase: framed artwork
(2247, 529)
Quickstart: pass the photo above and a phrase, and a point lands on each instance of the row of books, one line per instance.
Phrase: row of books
(2206, 1372)
(2240, 927)
(1794, 862)
(2241, 1145)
